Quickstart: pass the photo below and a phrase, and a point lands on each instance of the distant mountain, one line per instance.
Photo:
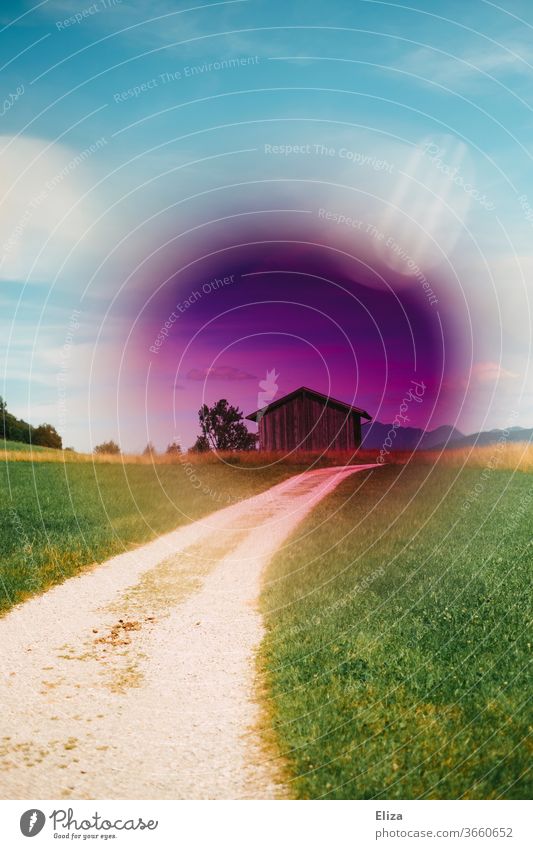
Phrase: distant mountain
(373, 436)
(490, 437)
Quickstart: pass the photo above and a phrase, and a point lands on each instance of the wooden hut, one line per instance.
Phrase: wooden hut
(308, 421)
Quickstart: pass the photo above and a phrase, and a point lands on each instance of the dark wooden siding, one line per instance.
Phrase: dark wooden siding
(305, 423)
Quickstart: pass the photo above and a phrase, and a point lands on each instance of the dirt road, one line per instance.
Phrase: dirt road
(136, 680)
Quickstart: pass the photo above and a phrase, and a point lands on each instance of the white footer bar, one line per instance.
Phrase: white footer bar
(268, 824)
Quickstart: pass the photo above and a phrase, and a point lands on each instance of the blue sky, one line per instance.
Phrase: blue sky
(136, 123)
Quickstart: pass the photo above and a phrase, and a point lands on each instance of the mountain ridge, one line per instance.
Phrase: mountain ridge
(373, 436)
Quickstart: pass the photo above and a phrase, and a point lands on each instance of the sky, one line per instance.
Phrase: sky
(194, 195)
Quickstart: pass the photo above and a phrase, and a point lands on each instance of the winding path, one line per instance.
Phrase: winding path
(136, 680)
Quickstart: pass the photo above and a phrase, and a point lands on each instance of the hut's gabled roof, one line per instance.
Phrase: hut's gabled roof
(304, 390)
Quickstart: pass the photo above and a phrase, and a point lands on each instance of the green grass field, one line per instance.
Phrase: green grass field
(397, 648)
(59, 518)
(8, 445)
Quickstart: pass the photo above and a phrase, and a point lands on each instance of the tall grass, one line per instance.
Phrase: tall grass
(252, 459)
(516, 455)
(512, 455)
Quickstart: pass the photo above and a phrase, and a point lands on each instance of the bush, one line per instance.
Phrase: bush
(110, 447)
(173, 448)
(201, 445)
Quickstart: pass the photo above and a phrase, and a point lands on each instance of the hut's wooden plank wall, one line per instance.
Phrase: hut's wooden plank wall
(309, 424)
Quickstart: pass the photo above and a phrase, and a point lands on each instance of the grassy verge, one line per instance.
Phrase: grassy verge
(8, 447)
(397, 638)
(59, 518)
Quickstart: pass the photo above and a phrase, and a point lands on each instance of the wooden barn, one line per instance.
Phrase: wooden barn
(308, 421)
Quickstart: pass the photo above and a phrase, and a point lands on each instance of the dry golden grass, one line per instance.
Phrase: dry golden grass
(514, 455)
(53, 456)
(241, 458)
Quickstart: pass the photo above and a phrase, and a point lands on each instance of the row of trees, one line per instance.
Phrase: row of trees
(112, 447)
(17, 430)
(222, 429)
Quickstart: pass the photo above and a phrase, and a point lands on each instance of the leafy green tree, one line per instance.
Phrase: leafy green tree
(223, 428)
(17, 430)
(149, 450)
(11, 428)
(46, 435)
(3, 417)
(110, 447)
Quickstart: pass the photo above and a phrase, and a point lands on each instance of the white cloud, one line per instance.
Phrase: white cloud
(40, 185)
(469, 67)
(489, 372)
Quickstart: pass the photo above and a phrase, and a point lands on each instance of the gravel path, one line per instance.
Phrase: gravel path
(136, 680)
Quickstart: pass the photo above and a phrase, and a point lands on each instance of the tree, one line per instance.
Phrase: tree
(17, 430)
(223, 428)
(173, 448)
(46, 435)
(3, 419)
(11, 428)
(110, 447)
(200, 445)
(149, 450)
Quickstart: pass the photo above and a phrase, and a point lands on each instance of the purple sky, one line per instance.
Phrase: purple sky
(316, 316)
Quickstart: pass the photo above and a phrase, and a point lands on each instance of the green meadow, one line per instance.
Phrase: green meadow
(59, 518)
(9, 445)
(398, 638)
